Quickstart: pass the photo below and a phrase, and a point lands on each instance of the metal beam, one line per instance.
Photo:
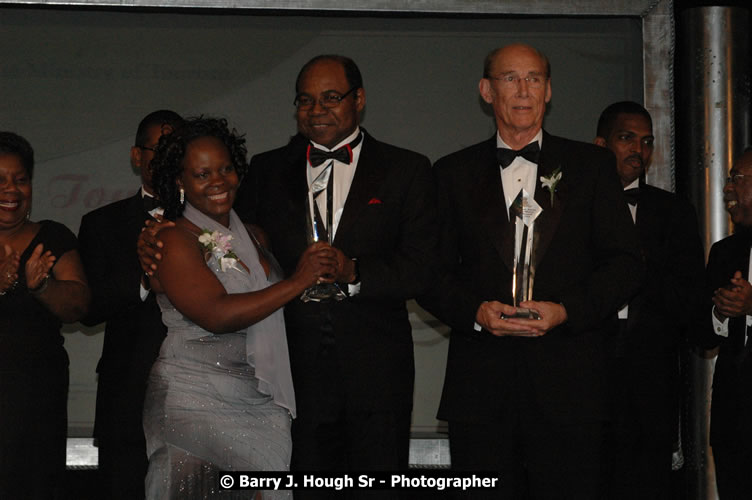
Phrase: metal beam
(517, 7)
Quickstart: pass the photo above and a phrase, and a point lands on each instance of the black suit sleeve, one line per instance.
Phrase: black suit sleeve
(720, 269)
(680, 276)
(451, 298)
(114, 280)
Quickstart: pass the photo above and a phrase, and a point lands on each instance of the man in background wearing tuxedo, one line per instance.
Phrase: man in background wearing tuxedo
(352, 360)
(134, 330)
(644, 352)
(526, 397)
(728, 277)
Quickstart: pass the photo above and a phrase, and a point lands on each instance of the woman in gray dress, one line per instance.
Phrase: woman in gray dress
(220, 395)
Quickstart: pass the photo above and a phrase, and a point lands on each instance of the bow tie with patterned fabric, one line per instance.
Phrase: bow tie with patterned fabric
(150, 203)
(344, 154)
(531, 152)
(632, 195)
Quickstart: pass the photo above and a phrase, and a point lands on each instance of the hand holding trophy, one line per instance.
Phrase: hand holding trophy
(318, 231)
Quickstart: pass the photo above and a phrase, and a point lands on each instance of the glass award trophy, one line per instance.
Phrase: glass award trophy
(318, 231)
(524, 210)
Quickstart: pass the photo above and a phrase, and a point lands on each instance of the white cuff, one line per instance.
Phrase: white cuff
(353, 289)
(719, 327)
(624, 312)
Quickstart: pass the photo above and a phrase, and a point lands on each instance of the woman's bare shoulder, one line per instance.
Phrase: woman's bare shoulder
(179, 237)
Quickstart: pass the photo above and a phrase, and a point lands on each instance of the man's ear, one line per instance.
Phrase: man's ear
(600, 141)
(136, 158)
(484, 87)
(360, 97)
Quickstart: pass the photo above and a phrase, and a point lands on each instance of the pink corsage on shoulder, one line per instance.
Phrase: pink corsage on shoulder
(218, 245)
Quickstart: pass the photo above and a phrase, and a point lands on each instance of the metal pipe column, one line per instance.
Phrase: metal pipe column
(714, 129)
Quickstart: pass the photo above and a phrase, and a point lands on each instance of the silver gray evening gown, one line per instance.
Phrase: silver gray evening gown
(203, 411)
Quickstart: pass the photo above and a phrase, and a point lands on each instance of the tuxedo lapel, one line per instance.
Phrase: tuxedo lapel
(738, 325)
(367, 181)
(296, 177)
(743, 254)
(135, 214)
(649, 219)
(548, 220)
(488, 196)
(292, 179)
(281, 200)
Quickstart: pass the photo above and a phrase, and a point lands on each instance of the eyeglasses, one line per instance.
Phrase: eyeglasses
(735, 179)
(328, 100)
(154, 149)
(512, 80)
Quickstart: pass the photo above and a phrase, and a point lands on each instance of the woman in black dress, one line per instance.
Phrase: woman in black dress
(42, 285)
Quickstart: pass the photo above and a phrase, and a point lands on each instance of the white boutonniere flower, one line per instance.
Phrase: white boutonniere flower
(552, 181)
(219, 246)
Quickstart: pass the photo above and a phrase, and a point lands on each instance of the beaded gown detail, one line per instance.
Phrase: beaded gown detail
(204, 411)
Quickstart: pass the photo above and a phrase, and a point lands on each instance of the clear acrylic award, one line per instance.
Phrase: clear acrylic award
(524, 210)
(318, 231)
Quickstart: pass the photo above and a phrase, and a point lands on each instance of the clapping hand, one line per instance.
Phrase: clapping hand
(735, 299)
(38, 265)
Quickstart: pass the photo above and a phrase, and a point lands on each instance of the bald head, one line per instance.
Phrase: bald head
(492, 56)
(516, 84)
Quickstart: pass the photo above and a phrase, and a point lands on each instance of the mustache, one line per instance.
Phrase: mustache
(638, 158)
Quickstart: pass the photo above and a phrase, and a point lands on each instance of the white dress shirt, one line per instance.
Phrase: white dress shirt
(343, 177)
(624, 311)
(520, 174)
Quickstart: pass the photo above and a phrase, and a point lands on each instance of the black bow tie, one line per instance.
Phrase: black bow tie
(344, 154)
(632, 195)
(150, 203)
(531, 152)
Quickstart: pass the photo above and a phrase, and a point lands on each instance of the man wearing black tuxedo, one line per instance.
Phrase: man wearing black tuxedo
(352, 360)
(526, 397)
(134, 329)
(644, 353)
(728, 280)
